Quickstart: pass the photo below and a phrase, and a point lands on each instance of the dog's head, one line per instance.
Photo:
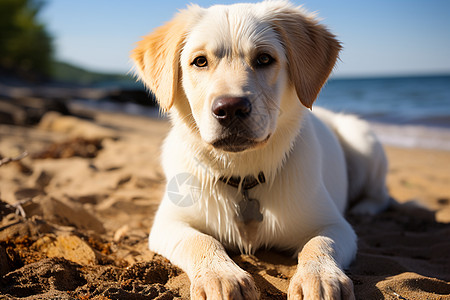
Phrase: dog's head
(227, 69)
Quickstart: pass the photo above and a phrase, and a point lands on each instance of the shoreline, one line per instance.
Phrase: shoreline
(408, 135)
(409, 127)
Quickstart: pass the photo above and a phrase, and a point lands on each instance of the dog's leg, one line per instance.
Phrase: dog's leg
(319, 273)
(213, 274)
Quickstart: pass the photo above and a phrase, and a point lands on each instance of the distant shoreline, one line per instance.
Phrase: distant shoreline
(389, 76)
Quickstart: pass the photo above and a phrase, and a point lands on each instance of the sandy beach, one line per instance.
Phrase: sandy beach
(75, 215)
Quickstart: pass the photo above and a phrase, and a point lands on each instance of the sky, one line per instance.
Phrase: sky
(383, 37)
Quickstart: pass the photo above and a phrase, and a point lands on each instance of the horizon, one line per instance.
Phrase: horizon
(382, 39)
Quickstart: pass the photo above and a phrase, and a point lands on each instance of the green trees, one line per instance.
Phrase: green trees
(25, 45)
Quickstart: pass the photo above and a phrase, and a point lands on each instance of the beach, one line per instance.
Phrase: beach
(77, 210)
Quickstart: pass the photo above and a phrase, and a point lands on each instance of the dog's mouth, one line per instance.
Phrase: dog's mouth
(235, 143)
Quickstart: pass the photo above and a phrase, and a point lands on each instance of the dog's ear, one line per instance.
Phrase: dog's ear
(157, 57)
(311, 51)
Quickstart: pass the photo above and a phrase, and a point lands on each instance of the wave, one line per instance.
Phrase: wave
(413, 136)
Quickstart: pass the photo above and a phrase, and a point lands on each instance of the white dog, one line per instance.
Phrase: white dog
(259, 168)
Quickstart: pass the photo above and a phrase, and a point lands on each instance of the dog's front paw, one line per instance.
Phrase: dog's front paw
(223, 284)
(320, 281)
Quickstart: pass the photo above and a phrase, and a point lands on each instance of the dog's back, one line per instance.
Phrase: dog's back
(366, 161)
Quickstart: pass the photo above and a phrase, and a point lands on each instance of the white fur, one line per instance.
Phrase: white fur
(305, 162)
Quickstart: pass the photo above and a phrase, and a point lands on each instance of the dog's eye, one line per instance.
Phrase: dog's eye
(264, 60)
(200, 62)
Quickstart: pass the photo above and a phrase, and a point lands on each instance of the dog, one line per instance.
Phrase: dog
(249, 164)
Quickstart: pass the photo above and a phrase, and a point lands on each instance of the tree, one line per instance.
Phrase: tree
(25, 45)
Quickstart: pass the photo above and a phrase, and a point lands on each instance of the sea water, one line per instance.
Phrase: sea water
(404, 111)
(396, 100)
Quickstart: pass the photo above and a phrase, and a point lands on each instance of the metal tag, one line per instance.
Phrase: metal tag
(248, 209)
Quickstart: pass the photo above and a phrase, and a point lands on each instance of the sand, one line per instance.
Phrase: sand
(76, 212)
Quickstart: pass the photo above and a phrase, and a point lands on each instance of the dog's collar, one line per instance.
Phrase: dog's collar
(248, 182)
(248, 209)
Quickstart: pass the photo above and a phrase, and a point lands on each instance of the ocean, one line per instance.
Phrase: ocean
(404, 111)
(397, 100)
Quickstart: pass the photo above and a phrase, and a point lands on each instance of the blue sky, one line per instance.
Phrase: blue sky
(383, 37)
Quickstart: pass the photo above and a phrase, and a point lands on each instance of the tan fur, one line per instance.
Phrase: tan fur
(311, 52)
(315, 280)
(157, 58)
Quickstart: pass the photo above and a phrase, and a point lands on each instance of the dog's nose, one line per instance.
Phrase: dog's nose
(227, 109)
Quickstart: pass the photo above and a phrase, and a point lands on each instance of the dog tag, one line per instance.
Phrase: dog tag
(248, 209)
